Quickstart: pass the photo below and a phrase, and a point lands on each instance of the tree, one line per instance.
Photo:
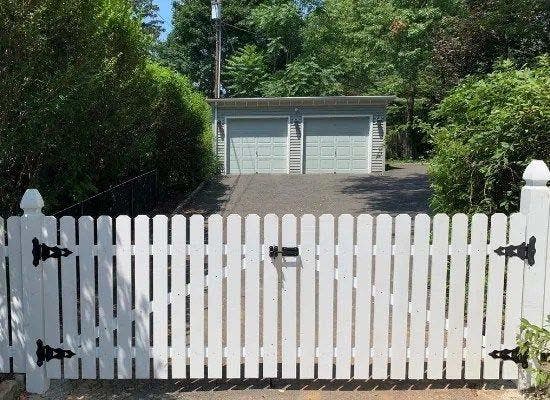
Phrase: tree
(488, 129)
(148, 13)
(189, 47)
(278, 27)
(303, 77)
(86, 109)
(489, 30)
(273, 66)
(246, 72)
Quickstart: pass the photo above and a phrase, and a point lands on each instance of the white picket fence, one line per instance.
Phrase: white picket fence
(367, 297)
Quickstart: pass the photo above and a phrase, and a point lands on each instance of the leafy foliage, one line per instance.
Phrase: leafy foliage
(247, 72)
(147, 12)
(303, 78)
(534, 341)
(85, 110)
(487, 132)
(189, 47)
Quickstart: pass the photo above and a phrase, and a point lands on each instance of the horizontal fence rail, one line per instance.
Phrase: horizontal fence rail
(367, 297)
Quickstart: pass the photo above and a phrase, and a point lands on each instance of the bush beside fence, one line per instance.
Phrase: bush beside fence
(84, 109)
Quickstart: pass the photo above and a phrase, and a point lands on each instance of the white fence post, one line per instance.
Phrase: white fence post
(32, 224)
(535, 205)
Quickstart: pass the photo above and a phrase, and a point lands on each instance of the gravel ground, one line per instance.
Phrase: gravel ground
(253, 389)
(402, 189)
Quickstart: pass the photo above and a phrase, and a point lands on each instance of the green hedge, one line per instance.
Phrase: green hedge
(82, 108)
(488, 130)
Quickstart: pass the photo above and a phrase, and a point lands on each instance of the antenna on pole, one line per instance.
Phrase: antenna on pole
(217, 18)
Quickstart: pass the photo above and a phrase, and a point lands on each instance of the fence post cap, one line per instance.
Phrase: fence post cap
(32, 202)
(536, 173)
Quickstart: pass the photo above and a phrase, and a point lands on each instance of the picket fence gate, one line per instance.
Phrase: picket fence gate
(365, 297)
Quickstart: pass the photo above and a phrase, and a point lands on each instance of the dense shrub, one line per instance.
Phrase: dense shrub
(82, 109)
(488, 130)
(183, 132)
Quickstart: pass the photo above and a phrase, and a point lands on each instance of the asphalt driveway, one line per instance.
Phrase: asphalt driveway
(402, 189)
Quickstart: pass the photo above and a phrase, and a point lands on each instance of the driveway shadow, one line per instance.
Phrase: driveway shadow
(389, 194)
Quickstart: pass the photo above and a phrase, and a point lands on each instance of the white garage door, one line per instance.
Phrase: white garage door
(337, 144)
(257, 145)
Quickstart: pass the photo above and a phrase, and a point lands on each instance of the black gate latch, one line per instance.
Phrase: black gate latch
(46, 353)
(43, 252)
(285, 251)
(523, 251)
(512, 355)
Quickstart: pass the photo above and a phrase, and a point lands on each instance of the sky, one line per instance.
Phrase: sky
(166, 14)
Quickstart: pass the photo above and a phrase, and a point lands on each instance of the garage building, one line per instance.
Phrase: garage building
(297, 135)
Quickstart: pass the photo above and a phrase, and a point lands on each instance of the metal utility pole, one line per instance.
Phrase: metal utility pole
(217, 18)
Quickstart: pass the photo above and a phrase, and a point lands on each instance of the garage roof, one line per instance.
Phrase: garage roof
(301, 101)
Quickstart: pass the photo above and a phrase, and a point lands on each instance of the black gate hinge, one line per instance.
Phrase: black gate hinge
(511, 355)
(43, 252)
(285, 251)
(47, 353)
(523, 251)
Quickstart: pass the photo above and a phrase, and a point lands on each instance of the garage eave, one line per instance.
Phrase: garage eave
(246, 102)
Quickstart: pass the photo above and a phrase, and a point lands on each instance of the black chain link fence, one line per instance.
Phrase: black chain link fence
(135, 196)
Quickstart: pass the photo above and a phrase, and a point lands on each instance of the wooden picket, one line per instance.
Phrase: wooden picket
(124, 297)
(15, 277)
(307, 297)
(270, 310)
(67, 239)
(400, 290)
(87, 297)
(288, 300)
(4, 299)
(326, 297)
(51, 291)
(381, 296)
(180, 298)
(437, 303)
(252, 297)
(142, 296)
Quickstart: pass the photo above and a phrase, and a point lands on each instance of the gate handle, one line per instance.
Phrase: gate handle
(285, 251)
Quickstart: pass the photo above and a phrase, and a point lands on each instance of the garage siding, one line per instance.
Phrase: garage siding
(378, 162)
(220, 146)
(295, 151)
(295, 130)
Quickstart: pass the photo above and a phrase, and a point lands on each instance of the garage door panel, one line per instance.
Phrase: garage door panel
(279, 151)
(278, 166)
(257, 145)
(264, 150)
(343, 151)
(326, 165)
(359, 165)
(345, 140)
(336, 144)
(343, 165)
